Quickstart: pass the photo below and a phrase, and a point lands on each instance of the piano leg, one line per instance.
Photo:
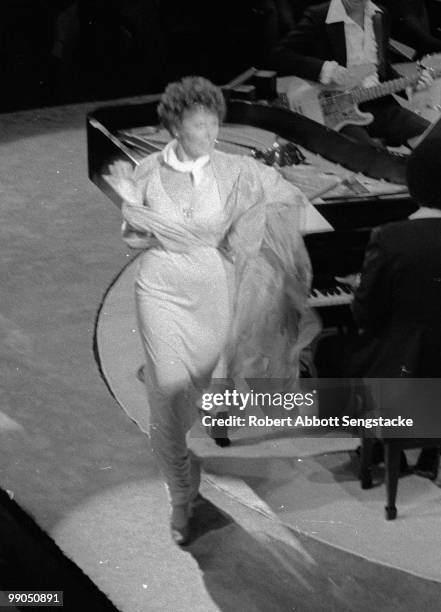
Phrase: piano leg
(392, 451)
(366, 462)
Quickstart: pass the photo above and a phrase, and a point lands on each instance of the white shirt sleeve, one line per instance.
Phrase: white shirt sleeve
(326, 72)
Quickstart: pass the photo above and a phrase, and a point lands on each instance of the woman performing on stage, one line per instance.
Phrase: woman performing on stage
(222, 283)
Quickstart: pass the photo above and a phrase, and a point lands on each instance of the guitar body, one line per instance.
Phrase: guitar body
(339, 110)
(330, 107)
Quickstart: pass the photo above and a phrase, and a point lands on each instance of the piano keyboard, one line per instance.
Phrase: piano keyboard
(330, 296)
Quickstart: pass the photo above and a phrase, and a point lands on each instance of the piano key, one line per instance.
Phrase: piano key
(333, 296)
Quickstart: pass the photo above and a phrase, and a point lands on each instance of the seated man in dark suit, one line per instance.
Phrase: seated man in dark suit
(335, 36)
(398, 302)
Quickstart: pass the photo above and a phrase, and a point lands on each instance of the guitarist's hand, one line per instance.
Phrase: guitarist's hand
(425, 80)
(334, 74)
(340, 76)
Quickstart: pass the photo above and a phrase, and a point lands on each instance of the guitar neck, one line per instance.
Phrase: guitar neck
(364, 94)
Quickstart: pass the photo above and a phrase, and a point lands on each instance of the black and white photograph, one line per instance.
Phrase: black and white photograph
(220, 313)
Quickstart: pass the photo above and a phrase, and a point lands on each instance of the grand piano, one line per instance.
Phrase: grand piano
(351, 215)
(337, 251)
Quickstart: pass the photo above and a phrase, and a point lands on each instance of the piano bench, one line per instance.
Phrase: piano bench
(393, 448)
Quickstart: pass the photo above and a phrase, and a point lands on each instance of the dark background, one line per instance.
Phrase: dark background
(65, 51)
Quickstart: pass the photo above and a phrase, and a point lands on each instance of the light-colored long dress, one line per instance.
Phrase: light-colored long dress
(222, 294)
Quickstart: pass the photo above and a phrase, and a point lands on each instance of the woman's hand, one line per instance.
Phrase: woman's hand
(138, 240)
(121, 180)
(351, 280)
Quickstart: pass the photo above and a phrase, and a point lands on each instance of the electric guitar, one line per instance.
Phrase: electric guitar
(335, 107)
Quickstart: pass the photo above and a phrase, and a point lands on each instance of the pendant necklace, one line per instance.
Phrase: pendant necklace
(188, 212)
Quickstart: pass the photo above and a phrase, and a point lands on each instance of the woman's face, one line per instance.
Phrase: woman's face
(196, 133)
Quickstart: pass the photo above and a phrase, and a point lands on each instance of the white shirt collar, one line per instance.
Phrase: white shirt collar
(194, 167)
(337, 12)
(424, 212)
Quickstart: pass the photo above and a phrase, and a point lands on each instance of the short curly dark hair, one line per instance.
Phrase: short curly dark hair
(186, 94)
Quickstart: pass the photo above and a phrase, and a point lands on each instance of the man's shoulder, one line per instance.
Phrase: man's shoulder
(392, 228)
(405, 230)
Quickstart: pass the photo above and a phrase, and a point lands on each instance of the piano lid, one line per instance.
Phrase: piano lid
(105, 146)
